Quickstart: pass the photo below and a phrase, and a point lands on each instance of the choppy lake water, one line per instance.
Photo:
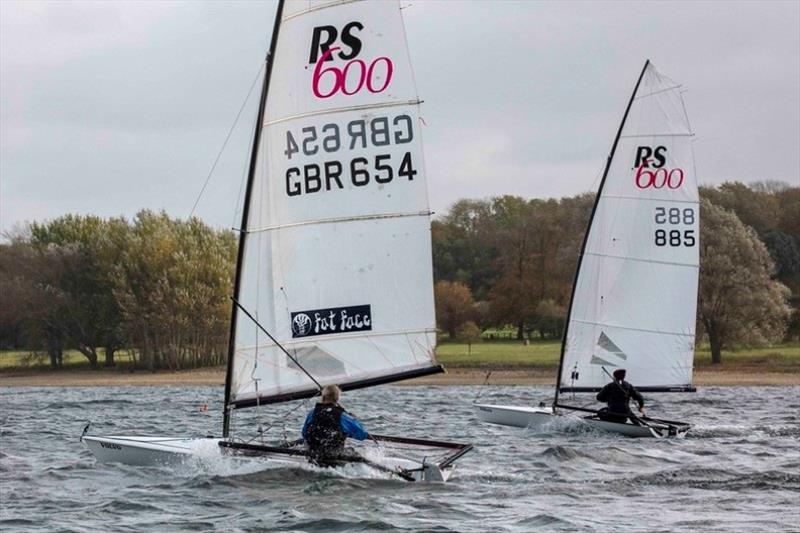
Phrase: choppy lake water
(738, 470)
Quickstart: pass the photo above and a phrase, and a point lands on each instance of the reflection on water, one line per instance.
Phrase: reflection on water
(738, 470)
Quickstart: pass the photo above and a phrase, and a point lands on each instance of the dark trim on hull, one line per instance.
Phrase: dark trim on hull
(460, 449)
(679, 388)
(677, 424)
(308, 393)
(589, 229)
(226, 420)
(258, 449)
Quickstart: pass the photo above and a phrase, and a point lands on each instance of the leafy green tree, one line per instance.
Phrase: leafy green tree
(92, 316)
(31, 281)
(463, 249)
(172, 284)
(738, 301)
(758, 209)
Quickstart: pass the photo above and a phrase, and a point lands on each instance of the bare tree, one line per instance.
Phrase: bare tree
(454, 306)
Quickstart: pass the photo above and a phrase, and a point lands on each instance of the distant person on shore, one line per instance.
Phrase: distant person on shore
(617, 396)
(326, 429)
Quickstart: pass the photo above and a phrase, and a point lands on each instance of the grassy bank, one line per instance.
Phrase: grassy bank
(511, 355)
(72, 360)
(545, 354)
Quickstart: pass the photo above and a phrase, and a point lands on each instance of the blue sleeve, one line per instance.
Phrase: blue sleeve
(309, 416)
(352, 428)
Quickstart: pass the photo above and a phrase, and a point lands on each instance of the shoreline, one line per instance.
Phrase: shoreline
(460, 375)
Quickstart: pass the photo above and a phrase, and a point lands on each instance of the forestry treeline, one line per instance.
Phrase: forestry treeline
(155, 286)
(159, 287)
(509, 261)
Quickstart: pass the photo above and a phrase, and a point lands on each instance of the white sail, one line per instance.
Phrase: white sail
(635, 297)
(336, 262)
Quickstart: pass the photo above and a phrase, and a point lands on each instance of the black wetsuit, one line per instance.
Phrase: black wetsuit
(325, 431)
(618, 395)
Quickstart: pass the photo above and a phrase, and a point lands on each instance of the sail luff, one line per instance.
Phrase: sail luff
(589, 229)
(245, 214)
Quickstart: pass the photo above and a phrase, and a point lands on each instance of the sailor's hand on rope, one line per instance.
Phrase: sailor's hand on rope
(641, 409)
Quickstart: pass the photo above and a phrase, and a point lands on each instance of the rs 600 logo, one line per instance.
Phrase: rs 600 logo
(355, 75)
(655, 174)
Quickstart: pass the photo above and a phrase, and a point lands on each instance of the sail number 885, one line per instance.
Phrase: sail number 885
(675, 216)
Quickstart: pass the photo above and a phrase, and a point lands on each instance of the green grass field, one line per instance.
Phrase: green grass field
(73, 359)
(499, 354)
(780, 358)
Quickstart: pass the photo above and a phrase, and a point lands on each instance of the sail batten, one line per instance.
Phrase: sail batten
(634, 299)
(337, 253)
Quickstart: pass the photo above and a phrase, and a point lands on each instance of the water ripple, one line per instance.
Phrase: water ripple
(737, 470)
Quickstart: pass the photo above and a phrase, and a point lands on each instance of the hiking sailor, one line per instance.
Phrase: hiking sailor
(618, 395)
(326, 429)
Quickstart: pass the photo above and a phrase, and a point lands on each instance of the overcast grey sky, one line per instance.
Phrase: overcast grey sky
(110, 107)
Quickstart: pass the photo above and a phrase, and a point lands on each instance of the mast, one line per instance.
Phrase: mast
(588, 230)
(226, 420)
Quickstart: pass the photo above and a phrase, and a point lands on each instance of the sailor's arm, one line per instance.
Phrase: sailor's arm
(309, 417)
(602, 396)
(353, 428)
(636, 395)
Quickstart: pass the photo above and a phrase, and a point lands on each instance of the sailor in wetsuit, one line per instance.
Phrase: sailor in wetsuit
(618, 395)
(327, 427)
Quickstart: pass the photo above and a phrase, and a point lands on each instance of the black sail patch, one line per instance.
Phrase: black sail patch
(331, 321)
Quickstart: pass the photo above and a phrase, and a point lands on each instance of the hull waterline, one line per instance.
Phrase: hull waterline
(163, 451)
(539, 417)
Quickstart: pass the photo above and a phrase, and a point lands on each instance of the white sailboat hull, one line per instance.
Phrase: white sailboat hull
(522, 417)
(147, 451)
(160, 451)
(537, 417)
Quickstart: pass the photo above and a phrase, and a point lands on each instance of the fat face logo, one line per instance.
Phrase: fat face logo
(331, 321)
(329, 44)
(301, 324)
(644, 153)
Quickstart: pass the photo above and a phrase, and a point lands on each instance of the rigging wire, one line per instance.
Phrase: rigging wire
(227, 138)
(242, 181)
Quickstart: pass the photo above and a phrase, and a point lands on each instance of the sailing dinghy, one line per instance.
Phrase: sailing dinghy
(634, 298)
(334, 279)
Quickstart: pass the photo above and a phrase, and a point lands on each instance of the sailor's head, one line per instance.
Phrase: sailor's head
(619, 374)
(330, 394)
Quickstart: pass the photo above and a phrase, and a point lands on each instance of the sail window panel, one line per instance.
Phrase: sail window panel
(631, 314)
(350, 359)
(651, 359)
(384, 264)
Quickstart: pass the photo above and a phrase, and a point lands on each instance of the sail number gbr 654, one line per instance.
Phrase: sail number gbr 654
(356, 169)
